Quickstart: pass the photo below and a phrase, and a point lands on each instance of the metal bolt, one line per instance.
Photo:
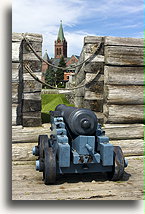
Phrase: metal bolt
(37, 165)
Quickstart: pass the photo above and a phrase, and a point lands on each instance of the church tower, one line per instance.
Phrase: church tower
(60, 44)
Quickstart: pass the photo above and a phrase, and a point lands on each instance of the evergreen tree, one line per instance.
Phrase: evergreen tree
(50, 76)
(60, 73)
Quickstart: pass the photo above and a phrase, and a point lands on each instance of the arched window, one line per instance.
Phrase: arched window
(59, 51)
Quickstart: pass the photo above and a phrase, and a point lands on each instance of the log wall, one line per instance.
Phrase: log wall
(116, 93)
(26, 92)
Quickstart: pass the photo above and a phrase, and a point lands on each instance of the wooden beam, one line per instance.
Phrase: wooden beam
(123, 113)
(133, 42)
(123, 55)
(116, 75)
(124, 94)
(124, 131)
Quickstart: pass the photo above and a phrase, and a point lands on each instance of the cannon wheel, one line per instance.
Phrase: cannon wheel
(42, 140)
(118, 168)
(49, 173)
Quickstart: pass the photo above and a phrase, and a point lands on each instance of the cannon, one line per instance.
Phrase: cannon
(77, 144)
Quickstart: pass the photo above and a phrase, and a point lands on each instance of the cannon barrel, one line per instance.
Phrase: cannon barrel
(79, 120)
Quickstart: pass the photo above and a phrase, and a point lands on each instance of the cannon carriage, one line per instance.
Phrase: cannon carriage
(77, 144)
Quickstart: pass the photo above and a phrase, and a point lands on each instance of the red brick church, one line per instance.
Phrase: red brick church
(60, 49)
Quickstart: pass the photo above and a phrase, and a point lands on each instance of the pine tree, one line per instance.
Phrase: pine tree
(60, 73)
(50, 76)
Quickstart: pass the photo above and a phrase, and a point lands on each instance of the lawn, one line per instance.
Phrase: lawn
(49, 102)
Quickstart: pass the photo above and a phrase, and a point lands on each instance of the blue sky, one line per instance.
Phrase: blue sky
(123, 18)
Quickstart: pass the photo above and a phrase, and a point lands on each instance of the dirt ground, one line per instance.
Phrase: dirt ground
(27, 184)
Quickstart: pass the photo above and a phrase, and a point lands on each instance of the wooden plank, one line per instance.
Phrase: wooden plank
(27, 185)
(94, 105)
(16, 114)
(124, 94)
(31, 56)
(36, 66)
(15, 51)
(29, 134)
(123, 75)
(134, 42)
(30, 36)
(92, 39)
(31, 105)
(31, 85)
(32, 118)
(15, 88)
(124, 131)
(96, 58)
(94, 67)
(32, 96)
(90, 95)
(130, 147)
(23, 151)
(37, 46)
(123, 113)
(122, 55)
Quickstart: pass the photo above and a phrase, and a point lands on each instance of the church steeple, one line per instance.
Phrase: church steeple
(60, 44)
(60, 33)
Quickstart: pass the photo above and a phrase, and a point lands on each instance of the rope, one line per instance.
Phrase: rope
(62, 68)
(27, 67)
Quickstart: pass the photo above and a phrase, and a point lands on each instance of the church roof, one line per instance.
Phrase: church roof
(60, 33)
(46, 57)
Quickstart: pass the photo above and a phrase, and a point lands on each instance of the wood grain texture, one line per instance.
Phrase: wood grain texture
(92, 39)
(124, 94)
(130, 147)
(123, 75)
(124, 131)
(133, 42)
(123, 113)
(77, 187)
(122, 55)
(28, 134)
(15, 51)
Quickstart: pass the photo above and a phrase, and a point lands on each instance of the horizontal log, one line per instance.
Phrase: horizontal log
(122, 55)
(123, 75)
(94, 105)
(15, 88)
(123, 113)
(30, 36)
(16, 114)
(134, 42)
(15, 51)
(92, 39)
(31, 85)
(31, 119)
(91, 77)
(28, 134)
(124, 94)
(124, 131)
(96, 58)
(31, 56)
(32, 96)
(90, 95)
(31, 105)
(36, 66)
(23, 151)
(130, 147)
(94, 67)
(37, 46)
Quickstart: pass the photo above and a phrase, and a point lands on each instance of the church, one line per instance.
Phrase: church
(60, 49)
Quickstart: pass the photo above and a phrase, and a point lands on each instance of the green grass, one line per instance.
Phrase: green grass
(49, 102)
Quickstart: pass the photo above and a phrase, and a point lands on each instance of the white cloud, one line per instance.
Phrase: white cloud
(44, 17)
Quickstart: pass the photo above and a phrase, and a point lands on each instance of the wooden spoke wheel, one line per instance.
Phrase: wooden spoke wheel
(42, 140)
(49, 172)
(118, 167)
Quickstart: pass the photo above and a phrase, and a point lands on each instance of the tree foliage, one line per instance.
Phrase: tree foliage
(50, 76)
(60, 73)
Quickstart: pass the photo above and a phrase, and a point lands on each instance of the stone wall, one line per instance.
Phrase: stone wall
(26, 92)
